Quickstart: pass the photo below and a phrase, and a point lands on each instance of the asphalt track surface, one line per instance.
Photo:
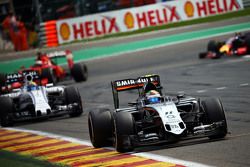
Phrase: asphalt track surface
(181, 72)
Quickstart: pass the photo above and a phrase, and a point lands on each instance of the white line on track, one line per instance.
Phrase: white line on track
(201, 91)
(142, 154)
(244, 84)
(221, 88)
(218, 88)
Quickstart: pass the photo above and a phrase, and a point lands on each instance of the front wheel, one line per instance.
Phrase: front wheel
(100, 127)
(248, 44)
(124, 128)
(215, 113)
(72, 96)
(79, 72)
(49, 74)
(6, 113)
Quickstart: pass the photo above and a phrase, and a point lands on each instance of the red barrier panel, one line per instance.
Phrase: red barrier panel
(48, 33)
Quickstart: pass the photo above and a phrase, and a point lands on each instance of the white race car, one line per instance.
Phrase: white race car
(32, 101)
(155, 118)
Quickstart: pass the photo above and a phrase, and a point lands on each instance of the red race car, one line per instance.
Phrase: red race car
(237, 45)
(47, 65)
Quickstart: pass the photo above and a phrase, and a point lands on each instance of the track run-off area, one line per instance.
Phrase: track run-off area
(181, 72)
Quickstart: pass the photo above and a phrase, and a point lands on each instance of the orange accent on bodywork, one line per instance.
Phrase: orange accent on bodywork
(132, 86)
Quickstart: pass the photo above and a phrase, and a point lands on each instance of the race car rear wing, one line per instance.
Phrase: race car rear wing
(58, 54)
(61, 54)
(128, 84)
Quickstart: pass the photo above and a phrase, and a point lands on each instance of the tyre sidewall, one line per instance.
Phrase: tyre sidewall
(72, 95)
(100, 127)
(79, 72)
(214, 112)
(123, 129)
(6, 113)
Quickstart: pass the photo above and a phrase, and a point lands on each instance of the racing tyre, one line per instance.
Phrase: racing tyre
(248, 44)
(212, 46)
(215, 113)
(123, 129)
(49, 74)
(79, 72)
(2, 79)
(100, 127)
(202, 55)
(6, 113)
(72, 96)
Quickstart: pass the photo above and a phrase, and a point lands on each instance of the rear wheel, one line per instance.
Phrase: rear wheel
(203, 55)
(72, 96)
(100, 127)
(2, 81)
(49, 74)
(248, 44)
(123, 129)
(215, 113)
(212, 46)
(79, 72)
(6, 113)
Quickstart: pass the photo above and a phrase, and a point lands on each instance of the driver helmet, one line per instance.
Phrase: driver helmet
(31, 85)
(237, 35)
(38, 63)
(43, 57)
(153, 96)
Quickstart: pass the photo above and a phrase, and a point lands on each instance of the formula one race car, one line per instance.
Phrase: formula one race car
(238, 45)
(32, 101)
(154, 118)
(47, 64)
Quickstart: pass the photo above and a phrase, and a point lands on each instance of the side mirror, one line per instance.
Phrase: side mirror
(180, 96)
(16, 90)
(49, 85)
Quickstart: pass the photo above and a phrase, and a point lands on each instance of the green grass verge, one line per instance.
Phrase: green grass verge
(8, 159)
(226, 16)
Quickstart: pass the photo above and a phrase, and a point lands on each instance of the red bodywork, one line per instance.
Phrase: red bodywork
(228, 50)
(45, 61)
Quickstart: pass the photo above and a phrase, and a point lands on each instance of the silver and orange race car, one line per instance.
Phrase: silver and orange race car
(154, 118)
(238, 45)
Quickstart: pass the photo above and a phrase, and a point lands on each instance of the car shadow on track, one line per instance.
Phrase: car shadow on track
(182, 143)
